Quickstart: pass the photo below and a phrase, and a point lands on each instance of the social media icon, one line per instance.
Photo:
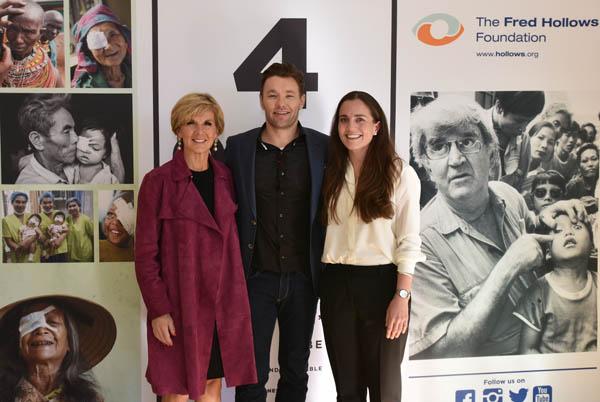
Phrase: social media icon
(492, 395)
(542, 393)
(518, 396)
(465, 395)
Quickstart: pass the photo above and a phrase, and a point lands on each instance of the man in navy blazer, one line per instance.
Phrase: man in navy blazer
(278, 170)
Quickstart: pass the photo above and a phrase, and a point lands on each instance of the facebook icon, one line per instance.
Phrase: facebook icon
(465, 395)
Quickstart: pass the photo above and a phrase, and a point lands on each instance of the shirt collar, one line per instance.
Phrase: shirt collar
(52, 177)
(447, 221)
(265, 146)
(349, 176)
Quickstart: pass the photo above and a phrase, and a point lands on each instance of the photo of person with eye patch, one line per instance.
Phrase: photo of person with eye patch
(49, 138)
(49, 345)
(93, 147)
(102, 45)
(117, 225)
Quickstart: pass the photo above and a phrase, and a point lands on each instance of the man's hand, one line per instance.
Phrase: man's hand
(575, 210)
(526, 252)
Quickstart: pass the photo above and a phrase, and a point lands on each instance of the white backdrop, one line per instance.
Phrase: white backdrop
(340, 48)
(567, 61)
(348, 43)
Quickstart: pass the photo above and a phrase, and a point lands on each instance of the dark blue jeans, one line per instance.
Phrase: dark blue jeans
(290, 299)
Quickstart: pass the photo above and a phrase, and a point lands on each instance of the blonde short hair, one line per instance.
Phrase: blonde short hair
(192, 104)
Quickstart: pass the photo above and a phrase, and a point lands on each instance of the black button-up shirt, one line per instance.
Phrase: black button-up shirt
(282, 207)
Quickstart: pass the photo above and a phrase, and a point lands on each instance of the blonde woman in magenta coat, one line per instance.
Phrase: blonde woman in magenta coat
(188, 265)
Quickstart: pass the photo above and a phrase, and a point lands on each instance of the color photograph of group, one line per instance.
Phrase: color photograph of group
(57, 226)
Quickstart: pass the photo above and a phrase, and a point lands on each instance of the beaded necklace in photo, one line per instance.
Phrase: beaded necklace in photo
(34, 71)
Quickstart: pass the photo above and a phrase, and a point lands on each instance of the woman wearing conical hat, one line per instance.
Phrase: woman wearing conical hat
(48, 345)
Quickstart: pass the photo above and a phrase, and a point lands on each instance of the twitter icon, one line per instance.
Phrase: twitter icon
(518, 396)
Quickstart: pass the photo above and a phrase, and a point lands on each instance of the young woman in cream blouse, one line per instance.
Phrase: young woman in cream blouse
(371, 208)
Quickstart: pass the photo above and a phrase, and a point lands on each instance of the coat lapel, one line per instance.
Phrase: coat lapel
(224, 206)
(316, 162)
(188, 201)
(248, 171)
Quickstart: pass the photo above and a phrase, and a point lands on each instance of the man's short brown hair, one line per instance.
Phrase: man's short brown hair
(283, 70)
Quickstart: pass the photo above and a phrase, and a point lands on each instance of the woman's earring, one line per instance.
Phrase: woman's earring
(179, 144)
(215, 145)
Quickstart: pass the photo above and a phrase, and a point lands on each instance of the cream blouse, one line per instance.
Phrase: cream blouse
(382, 241)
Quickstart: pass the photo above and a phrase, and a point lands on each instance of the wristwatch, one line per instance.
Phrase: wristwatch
(403, 293)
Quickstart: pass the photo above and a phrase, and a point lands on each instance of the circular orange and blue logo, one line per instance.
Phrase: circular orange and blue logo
(422, 29)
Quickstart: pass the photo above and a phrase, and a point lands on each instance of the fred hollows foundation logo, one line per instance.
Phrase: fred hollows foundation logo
(422, 29)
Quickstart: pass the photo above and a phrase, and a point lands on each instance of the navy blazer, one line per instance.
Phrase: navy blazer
(240, 154)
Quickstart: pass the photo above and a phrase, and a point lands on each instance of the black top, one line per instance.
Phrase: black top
(205, 183)
(282, 207)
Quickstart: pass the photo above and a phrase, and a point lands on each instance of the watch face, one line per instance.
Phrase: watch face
(403, 293)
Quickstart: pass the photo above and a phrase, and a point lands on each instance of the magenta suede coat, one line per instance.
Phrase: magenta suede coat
(188, 264)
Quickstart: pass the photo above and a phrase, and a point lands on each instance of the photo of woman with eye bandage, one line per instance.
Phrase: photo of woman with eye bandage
(49, 346)
(117, 225)
(102, 40)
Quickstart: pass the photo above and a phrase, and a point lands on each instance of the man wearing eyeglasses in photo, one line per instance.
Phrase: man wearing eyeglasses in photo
(24, 63)
(477, 236)
(510, 115)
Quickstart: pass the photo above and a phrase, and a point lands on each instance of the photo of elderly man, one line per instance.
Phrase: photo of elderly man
(485, 246)
(50, 130)
(66, 139)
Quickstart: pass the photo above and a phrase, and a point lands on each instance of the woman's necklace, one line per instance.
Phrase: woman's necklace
(30, 72)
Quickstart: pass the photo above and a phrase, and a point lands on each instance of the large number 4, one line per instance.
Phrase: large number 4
(289, 35)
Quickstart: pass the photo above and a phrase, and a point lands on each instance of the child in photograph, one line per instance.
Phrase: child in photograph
(93, 147)
(547, 187)
(57, 229)
(559, 310)
(29, 230)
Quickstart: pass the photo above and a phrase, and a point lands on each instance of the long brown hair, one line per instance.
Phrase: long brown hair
(380, 168)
